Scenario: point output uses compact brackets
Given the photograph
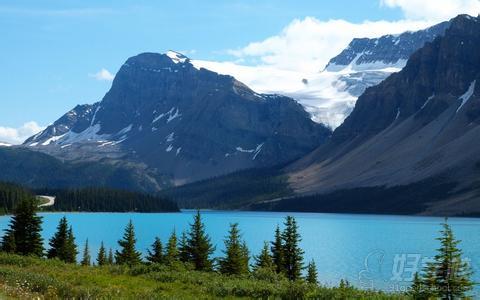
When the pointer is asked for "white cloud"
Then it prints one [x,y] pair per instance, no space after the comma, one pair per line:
[307,45]
[103,75]
[20,134]
[436,10]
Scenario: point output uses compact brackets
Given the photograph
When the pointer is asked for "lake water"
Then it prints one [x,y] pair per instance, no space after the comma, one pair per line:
[375,251]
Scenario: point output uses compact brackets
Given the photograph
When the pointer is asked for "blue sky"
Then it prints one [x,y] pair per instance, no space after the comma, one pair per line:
[50,50]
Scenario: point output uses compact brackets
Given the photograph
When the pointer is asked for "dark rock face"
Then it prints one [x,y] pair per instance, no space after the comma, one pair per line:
[386,50]
[420,123]
[184,123]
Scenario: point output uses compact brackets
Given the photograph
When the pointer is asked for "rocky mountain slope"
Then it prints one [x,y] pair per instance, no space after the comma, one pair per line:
[420,125]
[182,123]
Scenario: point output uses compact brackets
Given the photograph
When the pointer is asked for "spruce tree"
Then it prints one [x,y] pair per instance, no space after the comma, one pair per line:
[428,280]
[293,254]
[448,276]
[417,290]
[199,245]
[59,241]
[278,252]
[86,259]
[183,251]
[24,230]
[110,258]
[312,275]
[70,248]
[263,260]
[236,257]
[155,256]
[172,253]
[102,256]
[128,255]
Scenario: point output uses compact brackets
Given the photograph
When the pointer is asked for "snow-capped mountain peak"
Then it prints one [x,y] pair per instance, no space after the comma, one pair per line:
[388,51]
[177,57]
[182,122]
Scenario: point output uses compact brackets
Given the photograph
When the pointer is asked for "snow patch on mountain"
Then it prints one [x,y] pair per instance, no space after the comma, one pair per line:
[176,57]
[468,94]
[90,134]
[369,66]
[255,151]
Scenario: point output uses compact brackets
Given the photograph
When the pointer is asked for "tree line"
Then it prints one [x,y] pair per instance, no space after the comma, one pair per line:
[233,191]
[447,277]
[10,195]
[107,200]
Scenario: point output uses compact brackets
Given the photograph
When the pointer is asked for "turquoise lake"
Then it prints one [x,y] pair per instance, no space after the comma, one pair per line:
[375,251]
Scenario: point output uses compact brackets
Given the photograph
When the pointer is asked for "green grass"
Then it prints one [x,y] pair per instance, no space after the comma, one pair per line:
[28,277]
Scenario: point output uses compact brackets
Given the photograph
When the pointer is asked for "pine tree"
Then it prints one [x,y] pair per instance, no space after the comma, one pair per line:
[236,257]
[428,281]
[110,258]
[448,276]
[70,248]
[172,253]
[62,244]
[277,251]
[102,256]
[312,275]
[128,255]
[199,246]
[183,251]
[86,260]
[156,255]
[293,254]
[264,260]
[417,290]
[58,241]
[24,230]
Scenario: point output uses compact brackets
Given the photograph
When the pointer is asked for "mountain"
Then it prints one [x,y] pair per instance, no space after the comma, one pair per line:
[330,94]
[416,132]
[182,123]
[3,144]
[389,51]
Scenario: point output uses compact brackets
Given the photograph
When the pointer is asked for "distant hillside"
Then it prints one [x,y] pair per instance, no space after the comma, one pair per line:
[234,191]
[38,170]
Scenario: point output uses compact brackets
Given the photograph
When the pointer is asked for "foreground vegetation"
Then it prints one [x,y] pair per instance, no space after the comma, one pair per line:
[185,268]
[27,277]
